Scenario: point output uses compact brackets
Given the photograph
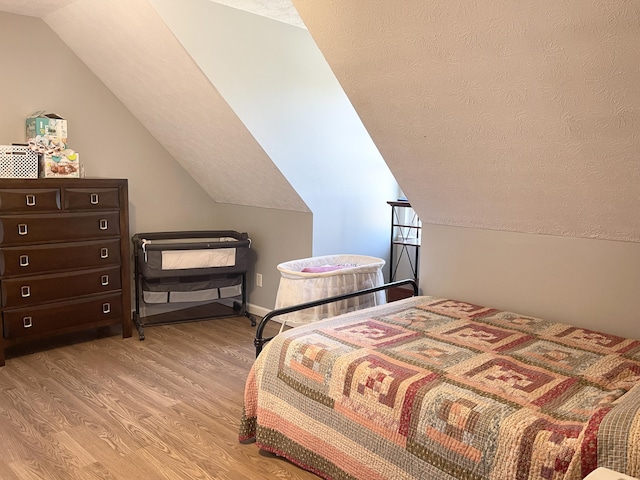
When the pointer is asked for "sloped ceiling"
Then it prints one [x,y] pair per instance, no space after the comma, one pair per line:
[510,116]
[520,116]
[34,8]
[281,10]
[128,46]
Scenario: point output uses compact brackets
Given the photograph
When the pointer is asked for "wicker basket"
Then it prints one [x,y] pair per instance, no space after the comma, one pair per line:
[17,161]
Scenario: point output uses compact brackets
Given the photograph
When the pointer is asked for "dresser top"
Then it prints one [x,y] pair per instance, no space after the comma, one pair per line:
[59,182]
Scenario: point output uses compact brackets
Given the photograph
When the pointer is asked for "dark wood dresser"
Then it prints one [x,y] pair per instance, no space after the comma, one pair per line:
[64,257]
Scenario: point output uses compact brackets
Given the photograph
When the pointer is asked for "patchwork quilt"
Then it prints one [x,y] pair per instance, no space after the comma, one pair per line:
[431,388]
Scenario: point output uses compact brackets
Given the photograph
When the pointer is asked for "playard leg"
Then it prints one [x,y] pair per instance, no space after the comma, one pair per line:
[139,326]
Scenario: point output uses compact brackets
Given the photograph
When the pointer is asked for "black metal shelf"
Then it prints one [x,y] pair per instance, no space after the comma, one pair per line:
[405,239]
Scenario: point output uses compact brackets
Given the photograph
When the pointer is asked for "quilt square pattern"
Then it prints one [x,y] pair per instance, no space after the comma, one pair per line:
[370,333]
[614,372]
[306,362]
[593,341]
[556,356]
[578,404]
[416,319]
[539,447]
[511,380]
[456,309]
[517,322]
[458,428]
[430,353]
[378,391]
[479,336]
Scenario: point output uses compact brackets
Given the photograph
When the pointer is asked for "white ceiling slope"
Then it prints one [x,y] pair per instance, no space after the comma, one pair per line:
[281,10]
[519,116]
[128,46]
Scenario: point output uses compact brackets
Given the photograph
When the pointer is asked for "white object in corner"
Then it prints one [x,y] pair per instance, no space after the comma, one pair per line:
[602,473]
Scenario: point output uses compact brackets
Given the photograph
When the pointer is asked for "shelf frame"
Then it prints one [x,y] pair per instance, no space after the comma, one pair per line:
[407,237]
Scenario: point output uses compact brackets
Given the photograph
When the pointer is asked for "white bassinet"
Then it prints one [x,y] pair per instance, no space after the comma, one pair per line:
[314,278]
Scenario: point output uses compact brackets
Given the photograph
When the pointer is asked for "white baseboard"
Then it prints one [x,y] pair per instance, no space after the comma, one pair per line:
[258,310]
[261,312]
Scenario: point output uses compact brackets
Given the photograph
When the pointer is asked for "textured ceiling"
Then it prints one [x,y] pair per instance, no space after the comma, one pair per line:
[520,116]
[162,86]
[32,8]
[281,10]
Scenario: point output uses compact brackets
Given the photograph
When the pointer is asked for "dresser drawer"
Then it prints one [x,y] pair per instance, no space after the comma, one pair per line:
[20,292]
[91,198]
[57,227]
[32,260]
[62,317]
[29,200]
[64,257]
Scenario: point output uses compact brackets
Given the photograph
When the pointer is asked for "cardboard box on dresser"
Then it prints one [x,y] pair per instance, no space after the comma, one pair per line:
[47,134]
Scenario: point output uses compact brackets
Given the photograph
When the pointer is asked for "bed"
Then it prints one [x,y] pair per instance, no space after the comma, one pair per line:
[434,388]
[186,270]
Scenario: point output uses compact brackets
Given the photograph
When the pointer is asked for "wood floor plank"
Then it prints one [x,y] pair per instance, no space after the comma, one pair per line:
[176,466]
[95,471]
[103,407]
[6,473]
[81,455]
[34,470]
[46,450]
[15,444]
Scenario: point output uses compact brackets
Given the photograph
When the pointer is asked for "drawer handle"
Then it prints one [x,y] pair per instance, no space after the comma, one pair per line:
[104,280]
[27,322]
[106,307]
[104,253]
[94,199]
[24,260]
[25,291]
[104,224]
[22,229]
[31,200]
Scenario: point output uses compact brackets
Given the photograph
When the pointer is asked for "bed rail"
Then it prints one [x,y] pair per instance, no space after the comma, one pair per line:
[259,341]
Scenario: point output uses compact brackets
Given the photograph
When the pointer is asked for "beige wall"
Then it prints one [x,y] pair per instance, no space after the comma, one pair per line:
[584,282]
[46,75]
[276,236]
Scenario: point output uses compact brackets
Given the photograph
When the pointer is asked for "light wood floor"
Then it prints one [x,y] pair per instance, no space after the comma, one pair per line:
[111,408]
